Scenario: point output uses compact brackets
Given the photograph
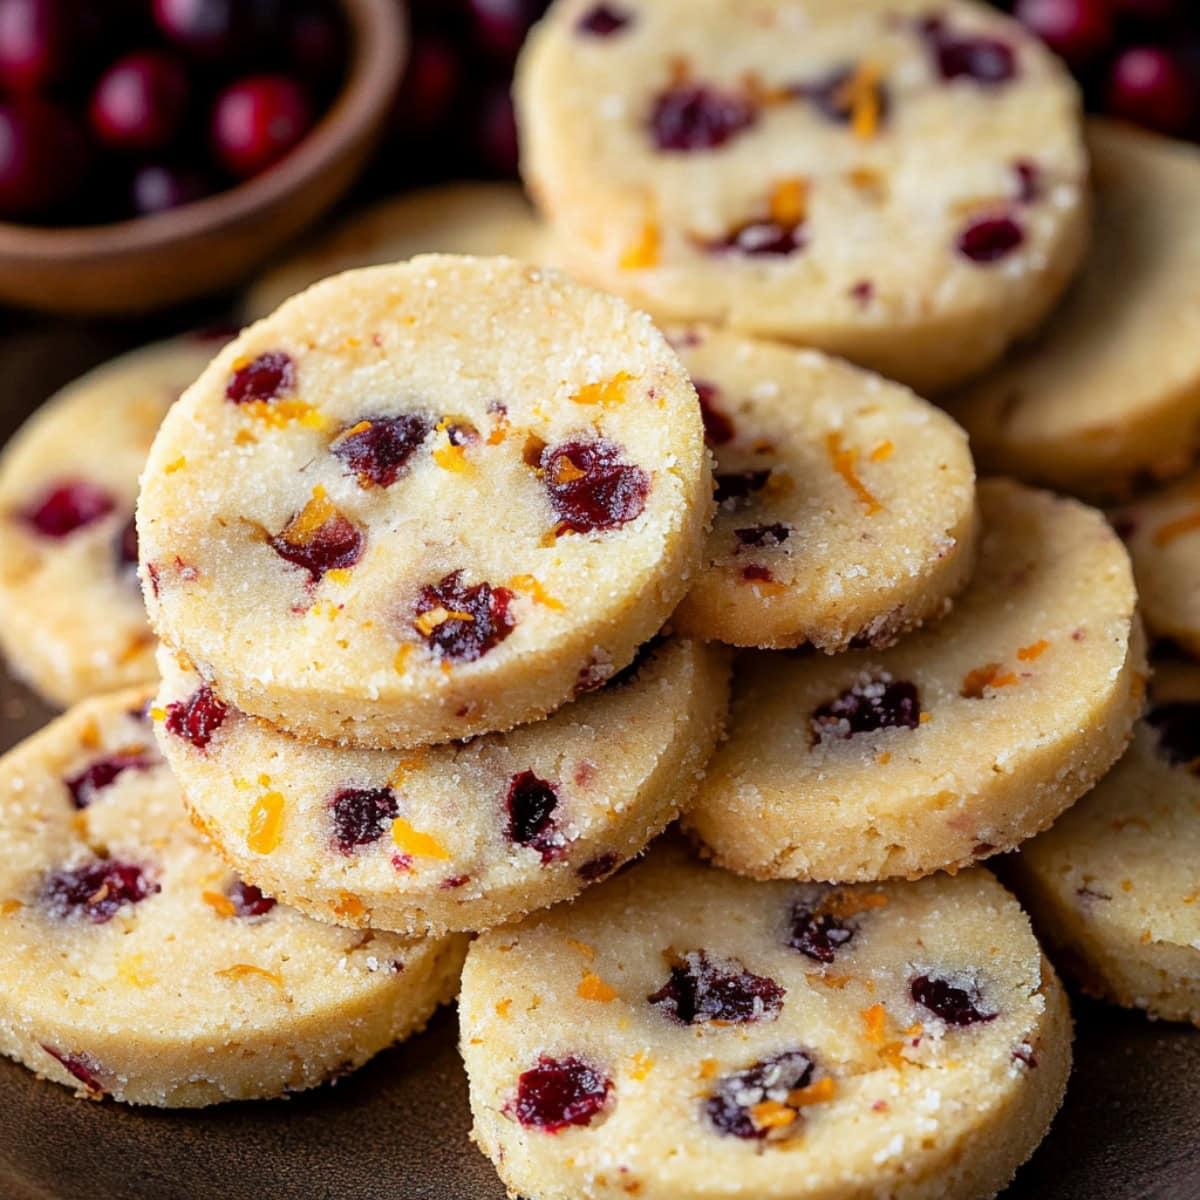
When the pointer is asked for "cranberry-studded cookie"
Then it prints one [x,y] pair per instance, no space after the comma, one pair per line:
[846,505]
[680,1033]
[426,501]
[461,836]
[72,621]
[1110,391]
[960,741]
[897,181]
[1162,531]
[1115,885]
[457,218]
[134,964]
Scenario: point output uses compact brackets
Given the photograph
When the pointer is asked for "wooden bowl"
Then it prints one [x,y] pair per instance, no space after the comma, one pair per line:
[132,266]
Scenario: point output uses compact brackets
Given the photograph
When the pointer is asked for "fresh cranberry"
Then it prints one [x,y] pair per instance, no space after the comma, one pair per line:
[597,868]
[986,60]
[315,42]
[954,1004]
[68,506]
[761,535]
[377,449]
[139,102]
[360,816]
[500,26]
[530,804]
[248,901]
[267,377]
[740,485]
[989,239]
[1178,728]
[93,779]
[818,935]
[689,116]
[43,157]
[159,188]
[127,547]
[496,130]
[206,28]
[97,889]
[591,487]
[257,121]
[1149,85]
[33,36]
[701,989]
[559,1092]
[718,428]
[336,544]
[197,718]
[730,1107]
[483,624]
[431,83]
[1076,29]
[603,20]
[872,703]
[80,1066]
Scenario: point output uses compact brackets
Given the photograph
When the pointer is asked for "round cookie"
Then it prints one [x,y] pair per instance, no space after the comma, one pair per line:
[68,482]
[681,1033]
[425,501]
[133,964]
[1109,392]
[1162,531]
[958,743]
[846,504]
[462,836]
[896,182]
[1114,885]
[457,218]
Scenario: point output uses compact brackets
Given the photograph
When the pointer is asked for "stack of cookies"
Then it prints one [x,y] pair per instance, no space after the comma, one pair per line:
[448,560]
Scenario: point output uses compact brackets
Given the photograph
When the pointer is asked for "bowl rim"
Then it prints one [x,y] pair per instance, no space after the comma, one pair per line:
[379,39]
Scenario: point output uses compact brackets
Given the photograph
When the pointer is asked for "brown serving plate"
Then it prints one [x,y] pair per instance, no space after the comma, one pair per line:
[397,1130]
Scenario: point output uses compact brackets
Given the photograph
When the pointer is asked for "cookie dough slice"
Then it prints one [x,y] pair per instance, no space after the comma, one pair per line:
[134,964]
[72,621]
[458,218]
[960,741]
[1110,391]
[425,501]
[897,182]
[1114,886]
[461,836]
[846,504]
[680,1034]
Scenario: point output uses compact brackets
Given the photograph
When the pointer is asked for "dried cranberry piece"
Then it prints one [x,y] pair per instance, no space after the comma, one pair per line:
[739,485]
[197,718]
[762,237]
[703,989]
[757,573]
[870,704]
[718,428]
[591,487]
[377,449]
[955,1004]
[248,901]
[602,20]
[267,377]
[730,1107]
[762,535]
[68,506]
[96,890]
[81,1066]
[93,779]
[690,116]
[833,95]
[987,61]
[559,1092]
[127,547]
[646,652]
[1029,181]
[597,868]
[1178,727]
[989,239]
[530,804]
[818,935]
[334,545]
[360,816]
[482,621]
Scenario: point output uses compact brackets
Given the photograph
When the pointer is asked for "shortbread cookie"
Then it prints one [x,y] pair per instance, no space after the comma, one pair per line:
[1115,885]
[457,218]
[461,836]
[72,621]
[846,505]
[133,964]
[680,1034]
[961,741]
[1110,391]
[1162,531]
[425,501]
[899,182]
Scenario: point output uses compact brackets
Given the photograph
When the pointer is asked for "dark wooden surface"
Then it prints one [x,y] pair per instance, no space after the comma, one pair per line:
[397,1130]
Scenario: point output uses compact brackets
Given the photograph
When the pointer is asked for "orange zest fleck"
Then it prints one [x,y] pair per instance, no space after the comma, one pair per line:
[822,1090]
[646,251]
[413,761]
[338,575]
[532,585]
[709,1067]
[348,905]
[303,527]
[158,714]
[503,1007]
[249,971]
[451,458]
[89,735]
[413,841]
[844,464]
[882,452]
[177,465]
[565,471]
[8,907]
[849,902]
[399,663]
[789,202]
[609,393]
[588,952]
[1035,651]
[353,431]
[592,987]
[1166,534]
[278,414]
[266,823]
[884,758]
[875,1020]
[892,1054]
[770,1114]
[427,622]
[861,95]
[244,437]
[990,675]
[219,903]
[642,1065]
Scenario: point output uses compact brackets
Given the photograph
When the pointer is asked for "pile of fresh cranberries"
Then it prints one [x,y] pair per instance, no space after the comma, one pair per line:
[119,108]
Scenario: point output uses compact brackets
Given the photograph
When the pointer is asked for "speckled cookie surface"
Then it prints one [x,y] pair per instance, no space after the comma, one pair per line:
[959,742]
[1162,531]
[459,218]
[846,504]
[134,964]
[72,621]
[1115,884]
[897,182]
[681,1033]
[461,836]
[1110,390]
[425,501]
